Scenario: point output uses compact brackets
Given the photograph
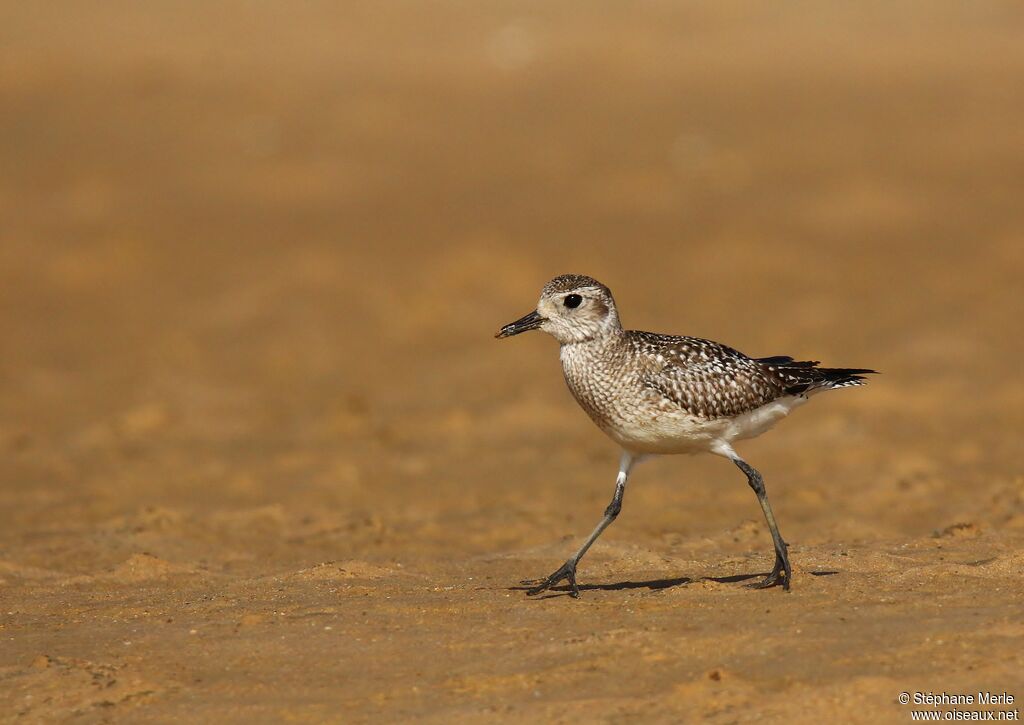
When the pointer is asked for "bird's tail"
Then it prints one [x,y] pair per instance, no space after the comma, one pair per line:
[802,377]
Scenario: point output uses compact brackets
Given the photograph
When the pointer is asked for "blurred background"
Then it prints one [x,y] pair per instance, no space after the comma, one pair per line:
[252,256]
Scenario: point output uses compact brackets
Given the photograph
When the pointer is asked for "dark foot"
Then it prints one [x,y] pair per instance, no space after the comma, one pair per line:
[566,571]
[782,574]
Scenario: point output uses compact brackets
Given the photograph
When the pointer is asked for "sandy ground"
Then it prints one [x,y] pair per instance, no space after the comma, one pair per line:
[263,461]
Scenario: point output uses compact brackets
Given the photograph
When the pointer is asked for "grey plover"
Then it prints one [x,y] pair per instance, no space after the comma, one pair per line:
[659,394]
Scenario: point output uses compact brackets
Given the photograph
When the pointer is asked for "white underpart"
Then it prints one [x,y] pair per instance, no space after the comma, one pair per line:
[680,432]
[755,422]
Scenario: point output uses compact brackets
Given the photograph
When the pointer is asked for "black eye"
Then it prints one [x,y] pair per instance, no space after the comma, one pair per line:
[573,301]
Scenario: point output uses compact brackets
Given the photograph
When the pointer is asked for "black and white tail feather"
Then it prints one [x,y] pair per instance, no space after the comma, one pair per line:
[805,377]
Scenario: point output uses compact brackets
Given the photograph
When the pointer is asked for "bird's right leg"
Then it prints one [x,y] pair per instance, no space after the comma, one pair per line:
[568,570]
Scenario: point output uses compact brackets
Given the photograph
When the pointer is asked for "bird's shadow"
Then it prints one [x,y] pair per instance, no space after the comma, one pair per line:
[563,590]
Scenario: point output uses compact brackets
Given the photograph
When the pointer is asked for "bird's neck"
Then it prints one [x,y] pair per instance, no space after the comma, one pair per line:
[608,337]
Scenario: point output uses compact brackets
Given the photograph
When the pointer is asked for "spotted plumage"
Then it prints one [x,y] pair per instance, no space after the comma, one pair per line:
[711,380]
[656,394]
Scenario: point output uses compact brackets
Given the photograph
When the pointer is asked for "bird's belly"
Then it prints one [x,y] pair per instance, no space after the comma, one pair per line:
[672,433]
[755,422]
[680,432]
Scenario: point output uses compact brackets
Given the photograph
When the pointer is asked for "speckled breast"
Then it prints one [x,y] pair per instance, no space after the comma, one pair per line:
[606,386]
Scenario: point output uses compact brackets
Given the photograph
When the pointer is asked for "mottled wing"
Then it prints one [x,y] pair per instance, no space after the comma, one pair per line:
[705,378]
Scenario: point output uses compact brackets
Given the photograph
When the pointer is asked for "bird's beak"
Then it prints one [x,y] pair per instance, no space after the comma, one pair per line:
[524,324]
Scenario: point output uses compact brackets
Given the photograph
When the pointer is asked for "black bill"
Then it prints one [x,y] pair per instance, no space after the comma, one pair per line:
[524,324]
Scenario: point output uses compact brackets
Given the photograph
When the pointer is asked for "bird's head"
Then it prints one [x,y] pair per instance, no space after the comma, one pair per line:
[572,308]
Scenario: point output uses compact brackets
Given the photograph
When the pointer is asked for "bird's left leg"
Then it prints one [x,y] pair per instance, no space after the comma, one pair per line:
[781,572]
[568,570]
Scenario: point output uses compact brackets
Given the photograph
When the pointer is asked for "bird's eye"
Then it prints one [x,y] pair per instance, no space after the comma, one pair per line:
[573,301]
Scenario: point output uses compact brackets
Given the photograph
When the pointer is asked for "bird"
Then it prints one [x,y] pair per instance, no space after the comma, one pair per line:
[656,394]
